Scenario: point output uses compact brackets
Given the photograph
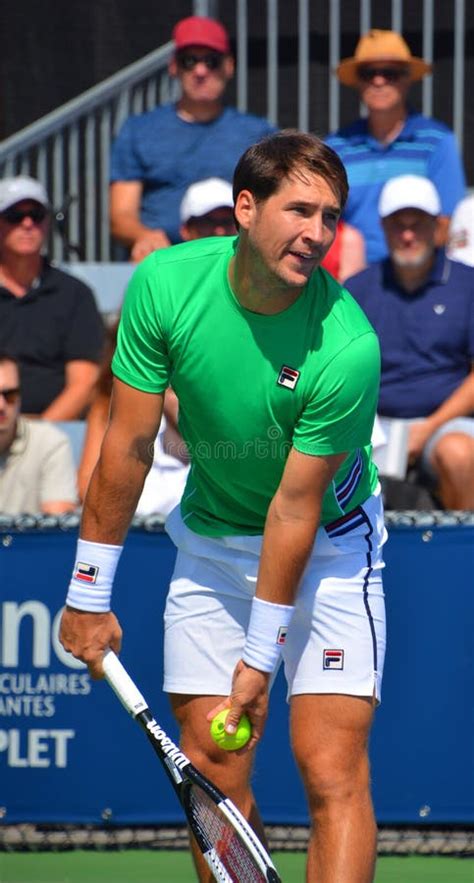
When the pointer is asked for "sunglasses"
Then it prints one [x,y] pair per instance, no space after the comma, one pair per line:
[16,215]
[10,395]
[390,74]
[212,60]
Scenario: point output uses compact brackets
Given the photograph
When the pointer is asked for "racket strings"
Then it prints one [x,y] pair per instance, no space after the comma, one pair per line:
[212,828]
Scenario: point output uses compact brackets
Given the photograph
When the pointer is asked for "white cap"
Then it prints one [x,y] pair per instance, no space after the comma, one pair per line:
[409,191]
[204,197]
[13,190]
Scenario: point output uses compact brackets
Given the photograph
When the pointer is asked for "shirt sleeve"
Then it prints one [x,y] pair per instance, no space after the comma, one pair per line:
[340,414]
[58,474]
[447,173]
[141,356]
[125,164]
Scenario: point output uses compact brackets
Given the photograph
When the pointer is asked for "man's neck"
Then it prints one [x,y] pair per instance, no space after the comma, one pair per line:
[7,438]
[17,272]
[254,290]
[413,278]
[386,125]
[198,111]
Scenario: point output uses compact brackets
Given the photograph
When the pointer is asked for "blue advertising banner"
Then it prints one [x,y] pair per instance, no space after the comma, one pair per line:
[70,754]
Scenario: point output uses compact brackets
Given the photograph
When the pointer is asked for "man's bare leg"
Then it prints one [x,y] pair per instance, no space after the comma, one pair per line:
[453,461]
[229,771]
[329,736]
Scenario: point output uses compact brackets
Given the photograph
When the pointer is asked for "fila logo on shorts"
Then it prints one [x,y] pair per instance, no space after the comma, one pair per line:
[333,659]
[288,377]
[86,572]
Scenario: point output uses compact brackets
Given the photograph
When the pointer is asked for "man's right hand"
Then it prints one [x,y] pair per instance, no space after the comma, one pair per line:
[147,243]
[88,635]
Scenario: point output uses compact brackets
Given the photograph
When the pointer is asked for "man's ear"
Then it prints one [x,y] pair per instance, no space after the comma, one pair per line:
[245,208]
[173,67]
[228,67]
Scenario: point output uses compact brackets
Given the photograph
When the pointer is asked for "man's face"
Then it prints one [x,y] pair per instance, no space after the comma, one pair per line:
[219,222]
[410,235]
[23,227]
[383,85]
[290,232]
[9,398]
[203,73]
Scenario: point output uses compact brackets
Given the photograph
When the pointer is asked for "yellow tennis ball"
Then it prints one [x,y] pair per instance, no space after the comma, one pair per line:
[226,741]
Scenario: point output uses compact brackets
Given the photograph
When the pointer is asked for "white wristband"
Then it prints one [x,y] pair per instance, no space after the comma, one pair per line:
[93,575]
[266,634]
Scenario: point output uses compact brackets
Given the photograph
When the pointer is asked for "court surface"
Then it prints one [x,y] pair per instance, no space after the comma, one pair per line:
[146,866]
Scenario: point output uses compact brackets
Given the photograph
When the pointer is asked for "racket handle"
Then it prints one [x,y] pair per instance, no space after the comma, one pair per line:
[122,684]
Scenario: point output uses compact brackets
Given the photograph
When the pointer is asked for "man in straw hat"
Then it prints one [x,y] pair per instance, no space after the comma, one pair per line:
[392,139]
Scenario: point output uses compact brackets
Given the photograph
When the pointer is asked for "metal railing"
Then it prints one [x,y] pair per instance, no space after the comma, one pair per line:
[68,150]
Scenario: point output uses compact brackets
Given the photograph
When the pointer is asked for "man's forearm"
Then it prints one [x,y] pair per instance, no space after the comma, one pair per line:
[70,404]
[287,543]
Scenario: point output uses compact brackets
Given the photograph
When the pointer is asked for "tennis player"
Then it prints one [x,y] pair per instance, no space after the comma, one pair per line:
[280,528]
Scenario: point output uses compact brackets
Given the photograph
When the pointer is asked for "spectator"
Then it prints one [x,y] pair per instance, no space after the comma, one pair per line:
[347,253]
[166,479]
[207,209]
[422,306]
[392,139]
[36,465]
[461,232]
[157,155]
[48,319]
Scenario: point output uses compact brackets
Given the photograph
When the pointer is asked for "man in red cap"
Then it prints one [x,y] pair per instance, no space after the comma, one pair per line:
[157,155]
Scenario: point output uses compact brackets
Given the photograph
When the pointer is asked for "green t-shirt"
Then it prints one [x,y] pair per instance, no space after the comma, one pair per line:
[251,386]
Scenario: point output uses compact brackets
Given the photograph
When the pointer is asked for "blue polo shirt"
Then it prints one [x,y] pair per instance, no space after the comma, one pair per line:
[423,147]
[426,336]
[168,154]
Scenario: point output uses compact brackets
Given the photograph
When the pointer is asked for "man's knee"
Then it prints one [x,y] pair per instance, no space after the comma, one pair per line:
[454,453]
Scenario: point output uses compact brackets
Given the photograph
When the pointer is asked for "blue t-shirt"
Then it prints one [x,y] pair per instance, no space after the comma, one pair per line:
[423,147]
[168,154]
[426,337]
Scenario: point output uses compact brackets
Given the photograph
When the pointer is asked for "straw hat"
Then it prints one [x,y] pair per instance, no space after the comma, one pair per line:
[377,46]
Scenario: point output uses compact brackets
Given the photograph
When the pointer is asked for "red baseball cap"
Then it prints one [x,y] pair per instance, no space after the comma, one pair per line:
[199,31]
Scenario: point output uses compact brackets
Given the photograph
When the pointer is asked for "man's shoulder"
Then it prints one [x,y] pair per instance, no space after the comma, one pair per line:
[150,119]
[354,132]
[40,437]
[251,122]
[345,309]
[61,281]
[184,256]
[366,279]
[417,123]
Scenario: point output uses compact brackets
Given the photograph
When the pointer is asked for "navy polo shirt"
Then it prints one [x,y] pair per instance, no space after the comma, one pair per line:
[55,322]
[426,336]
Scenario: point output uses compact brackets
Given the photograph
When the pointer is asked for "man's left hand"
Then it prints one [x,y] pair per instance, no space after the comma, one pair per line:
[250,695]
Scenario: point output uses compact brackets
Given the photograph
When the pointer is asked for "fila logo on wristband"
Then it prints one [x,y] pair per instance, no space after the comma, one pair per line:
[333,659]
[281,636]
[86,572]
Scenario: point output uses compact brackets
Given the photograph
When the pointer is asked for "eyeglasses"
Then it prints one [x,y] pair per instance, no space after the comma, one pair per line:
[10,395]
[390,74]
[16,215]
[188,61]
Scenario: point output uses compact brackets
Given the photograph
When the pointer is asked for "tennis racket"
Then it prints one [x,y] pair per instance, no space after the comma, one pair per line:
[230,847]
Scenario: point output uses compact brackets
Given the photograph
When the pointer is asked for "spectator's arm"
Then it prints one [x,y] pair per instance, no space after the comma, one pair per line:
[125,224]
[459,404]
[71,402]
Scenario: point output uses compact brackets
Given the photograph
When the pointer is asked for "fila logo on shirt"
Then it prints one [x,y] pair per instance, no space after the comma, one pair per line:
[288,377]
[333,659]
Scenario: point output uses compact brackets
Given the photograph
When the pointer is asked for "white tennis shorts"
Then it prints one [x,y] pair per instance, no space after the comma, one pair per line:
[336,639]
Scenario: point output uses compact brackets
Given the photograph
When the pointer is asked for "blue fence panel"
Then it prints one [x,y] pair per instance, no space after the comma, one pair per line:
[70,754]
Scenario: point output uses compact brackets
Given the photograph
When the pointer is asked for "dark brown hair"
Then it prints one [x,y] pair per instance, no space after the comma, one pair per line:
[265,164]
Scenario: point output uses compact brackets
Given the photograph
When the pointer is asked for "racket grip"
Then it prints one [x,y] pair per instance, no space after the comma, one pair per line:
[122,684]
